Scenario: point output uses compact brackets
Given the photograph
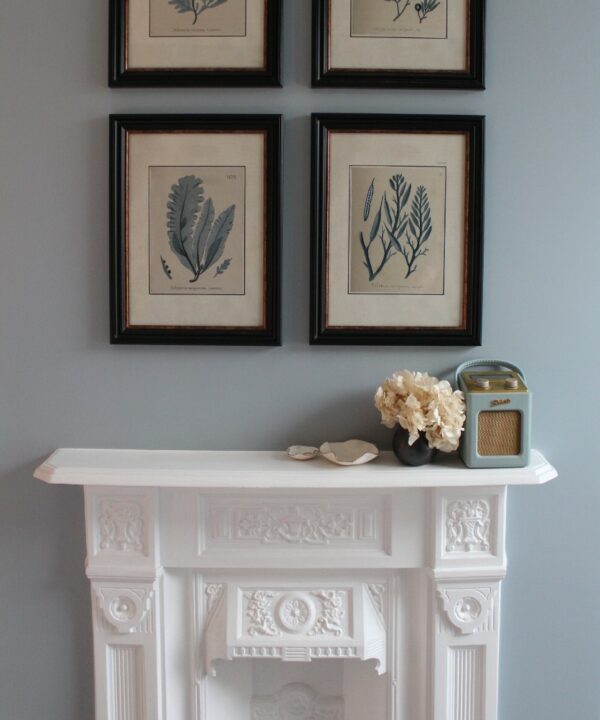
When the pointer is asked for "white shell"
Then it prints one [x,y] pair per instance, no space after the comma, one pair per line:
[351,452]
[303,452]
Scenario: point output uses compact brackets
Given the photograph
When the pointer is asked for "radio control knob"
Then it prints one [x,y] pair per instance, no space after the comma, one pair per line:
[511,383]
[482,383]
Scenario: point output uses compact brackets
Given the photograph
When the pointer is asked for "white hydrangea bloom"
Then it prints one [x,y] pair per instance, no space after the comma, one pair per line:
[420,403]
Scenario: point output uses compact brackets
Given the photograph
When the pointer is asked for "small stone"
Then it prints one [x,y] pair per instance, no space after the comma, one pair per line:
[303,452]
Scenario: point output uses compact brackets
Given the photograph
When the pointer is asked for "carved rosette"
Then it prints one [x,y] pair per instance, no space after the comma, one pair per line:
[121,526]
[271,613]
[468,609]
[296,612]
[124,608]
[468,526]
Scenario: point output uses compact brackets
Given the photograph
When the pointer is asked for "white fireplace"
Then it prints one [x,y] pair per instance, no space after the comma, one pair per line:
[247,586]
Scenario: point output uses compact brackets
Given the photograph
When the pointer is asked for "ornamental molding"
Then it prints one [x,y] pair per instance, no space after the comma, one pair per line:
[294,624]
[213,593]
[271,613]
[121,526]
[298,654]
[297,701]
[125,609]
[468,526]
[469,610]
[377,592]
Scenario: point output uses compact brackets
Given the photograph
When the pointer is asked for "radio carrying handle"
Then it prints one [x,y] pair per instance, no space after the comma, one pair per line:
[487,363]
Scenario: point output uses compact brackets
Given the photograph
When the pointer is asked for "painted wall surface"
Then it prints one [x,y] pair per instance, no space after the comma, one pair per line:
[62,384]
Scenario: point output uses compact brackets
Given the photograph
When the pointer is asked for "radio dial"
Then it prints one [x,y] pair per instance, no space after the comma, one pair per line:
[511,383]
[482,383]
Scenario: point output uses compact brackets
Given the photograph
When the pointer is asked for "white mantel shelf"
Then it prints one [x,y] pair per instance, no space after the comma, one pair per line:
[270,470]
[246,585]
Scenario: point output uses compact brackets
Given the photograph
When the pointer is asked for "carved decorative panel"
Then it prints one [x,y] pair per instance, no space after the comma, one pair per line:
[468,526]
[273,523]
[120,523]
[469,609]
[297,701]
[292,622]
[296,524]
[125,609]
[272,613]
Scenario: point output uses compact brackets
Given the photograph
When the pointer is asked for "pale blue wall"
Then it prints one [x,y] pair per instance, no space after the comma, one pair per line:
[61,383]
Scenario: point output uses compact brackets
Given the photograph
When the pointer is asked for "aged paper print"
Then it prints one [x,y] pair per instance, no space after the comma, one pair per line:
[203,18]
[397,230]
[197,230]
[424,19]
[427,19]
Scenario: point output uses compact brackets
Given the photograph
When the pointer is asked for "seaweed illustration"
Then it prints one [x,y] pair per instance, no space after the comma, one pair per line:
[195,6]
[195,237]
[223,266]
[395,230]
[420,227]
[166,268]
[425,7]
[401,6]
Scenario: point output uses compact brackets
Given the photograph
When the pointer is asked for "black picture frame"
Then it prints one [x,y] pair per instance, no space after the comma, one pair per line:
[472,79]
[120,331]
[120,76]
[468,335]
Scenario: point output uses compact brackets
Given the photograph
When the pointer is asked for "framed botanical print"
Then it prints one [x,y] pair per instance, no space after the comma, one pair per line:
[397,230]
[178,43]
[195,229]
[399,43]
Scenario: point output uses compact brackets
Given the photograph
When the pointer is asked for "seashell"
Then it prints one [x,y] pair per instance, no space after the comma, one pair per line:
[351,452]
[303,452]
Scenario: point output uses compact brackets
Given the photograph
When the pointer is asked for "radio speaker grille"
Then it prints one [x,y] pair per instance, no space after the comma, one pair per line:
[499,433]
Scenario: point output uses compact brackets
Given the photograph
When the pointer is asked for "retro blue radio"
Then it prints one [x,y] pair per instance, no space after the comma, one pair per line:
[498,425]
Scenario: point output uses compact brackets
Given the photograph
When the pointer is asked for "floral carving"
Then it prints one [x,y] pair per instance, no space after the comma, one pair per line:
[121,526]
[260,614]
[297,701]
[468,526]
[332,613]
[296,524]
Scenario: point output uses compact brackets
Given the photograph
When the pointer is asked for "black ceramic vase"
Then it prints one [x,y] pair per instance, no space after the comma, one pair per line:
[419,453]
